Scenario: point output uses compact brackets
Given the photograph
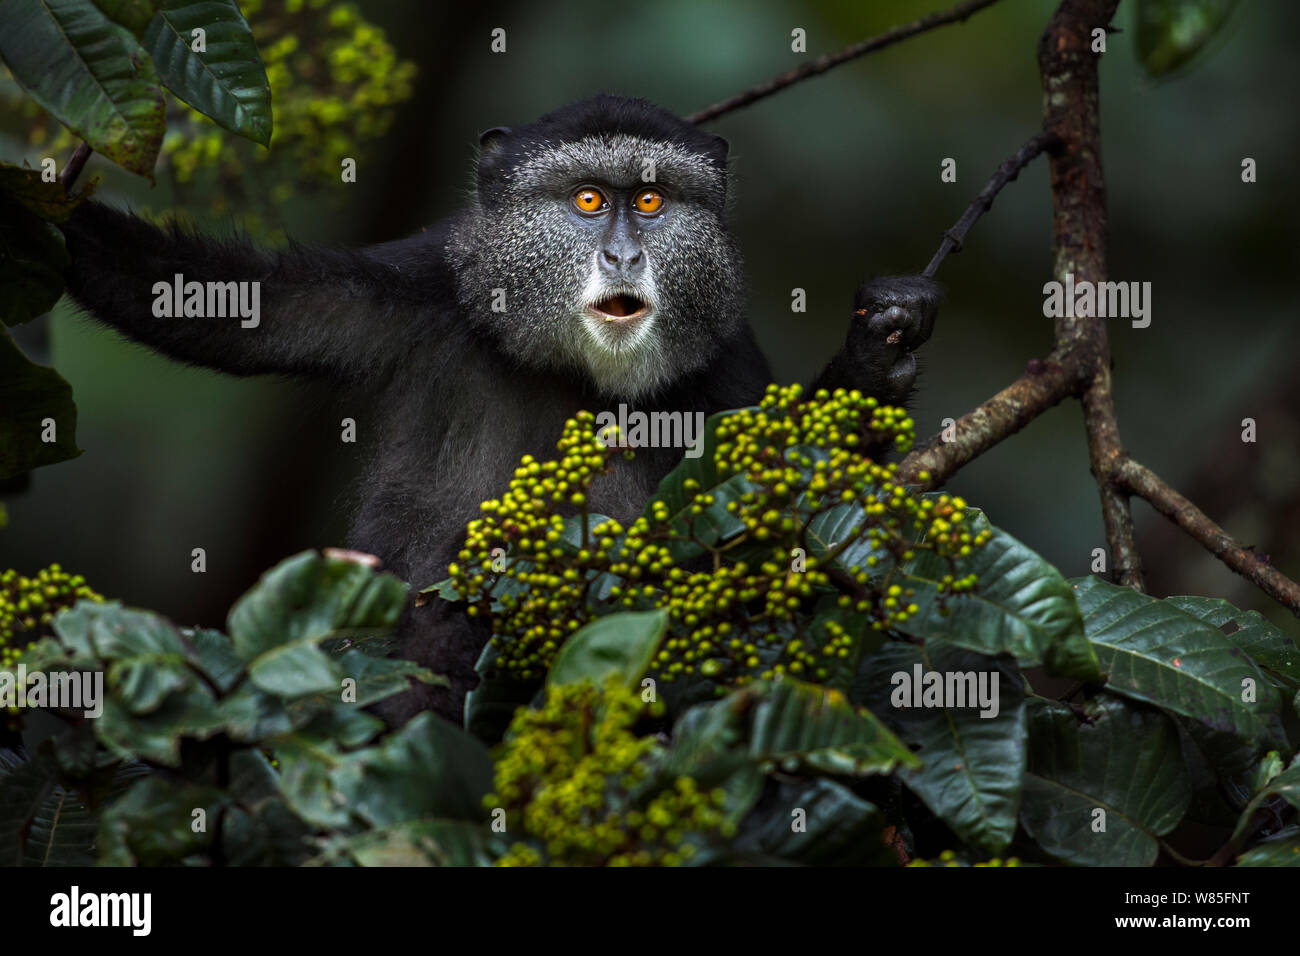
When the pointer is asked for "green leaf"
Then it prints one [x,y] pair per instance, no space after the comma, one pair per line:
[251,715]
[973,765]
[797,724]
[152,824]
[833,527]
[1125,762]
[306,780]
[1286,784]
[302,601]
[1154,652]
[41,822]
[1281,850]
[156,736]
[429,768]
[1021,606]
[135,15]
[836,827]
[143,653]
[1170,33]
[715,525]
[215,656]
[620,644]
[48,200]
[30,394]
[491,705]
[89,73]
[227,81]
[33,259]
[1269,646]
[424,843]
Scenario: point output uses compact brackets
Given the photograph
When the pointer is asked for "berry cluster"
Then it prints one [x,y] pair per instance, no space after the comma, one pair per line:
[949,858]
[753,585]
[586,789]
[28,606]
[27,609]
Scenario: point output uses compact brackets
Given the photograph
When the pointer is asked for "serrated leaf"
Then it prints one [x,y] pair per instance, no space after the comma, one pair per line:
[143,653]
[302,601]
[89,73]
[156,736]
[1125,763]
[1154,652]
[225,82]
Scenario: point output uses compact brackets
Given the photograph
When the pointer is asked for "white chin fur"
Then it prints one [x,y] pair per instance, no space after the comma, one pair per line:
[622,361]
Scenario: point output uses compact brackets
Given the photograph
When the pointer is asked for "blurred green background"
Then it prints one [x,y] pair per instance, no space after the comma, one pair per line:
[833,180]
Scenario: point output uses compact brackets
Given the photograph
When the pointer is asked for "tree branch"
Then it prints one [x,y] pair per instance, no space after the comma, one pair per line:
[1008,171]
[1043,385]
[70,172]
[824,63]
[1079,364]
[1136,479]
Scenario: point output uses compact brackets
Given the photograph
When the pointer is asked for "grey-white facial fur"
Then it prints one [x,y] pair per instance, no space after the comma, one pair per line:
[522,235]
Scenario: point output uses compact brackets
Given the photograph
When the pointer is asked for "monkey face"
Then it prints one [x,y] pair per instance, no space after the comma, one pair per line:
[607,256]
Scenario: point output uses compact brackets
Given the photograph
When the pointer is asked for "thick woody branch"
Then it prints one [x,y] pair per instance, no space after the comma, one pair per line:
[1044,384]
[1079,364]
[824,63]
[1136,479]
[1068,67]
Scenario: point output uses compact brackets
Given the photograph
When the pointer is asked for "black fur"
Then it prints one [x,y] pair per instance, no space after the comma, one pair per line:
[454,407]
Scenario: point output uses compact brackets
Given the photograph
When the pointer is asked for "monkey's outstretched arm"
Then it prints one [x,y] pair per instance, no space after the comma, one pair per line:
[325,313]
[892,316]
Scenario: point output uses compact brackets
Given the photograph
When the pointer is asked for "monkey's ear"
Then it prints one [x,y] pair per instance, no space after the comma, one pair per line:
[491,142]
[719,149]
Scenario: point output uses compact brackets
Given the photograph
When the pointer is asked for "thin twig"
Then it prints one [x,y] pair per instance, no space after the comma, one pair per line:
[70,172]
[1141,481]
[824,63]
[1009,170]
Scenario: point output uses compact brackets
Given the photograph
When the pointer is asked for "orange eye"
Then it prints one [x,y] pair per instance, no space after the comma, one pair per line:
[589,200]
[648,201]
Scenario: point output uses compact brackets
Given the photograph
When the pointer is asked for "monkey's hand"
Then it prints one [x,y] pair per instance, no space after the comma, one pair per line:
[892,317]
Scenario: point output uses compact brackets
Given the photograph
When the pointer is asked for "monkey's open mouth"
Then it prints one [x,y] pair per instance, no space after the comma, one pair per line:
[620,307]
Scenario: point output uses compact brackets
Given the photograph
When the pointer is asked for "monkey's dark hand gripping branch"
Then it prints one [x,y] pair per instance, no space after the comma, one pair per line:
[892,317]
